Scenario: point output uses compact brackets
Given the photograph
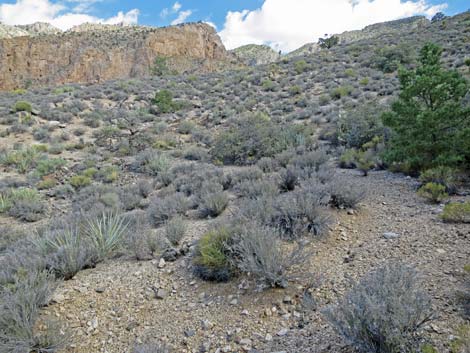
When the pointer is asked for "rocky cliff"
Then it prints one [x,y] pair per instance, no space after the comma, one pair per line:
[114,52]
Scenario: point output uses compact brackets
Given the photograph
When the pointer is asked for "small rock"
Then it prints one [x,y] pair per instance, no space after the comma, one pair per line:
[268,337]
[100,290]
[287,300]
[234,301]
[161,263]
[245,312]
[161,294]
[58,298]
[390,235]
[283,332]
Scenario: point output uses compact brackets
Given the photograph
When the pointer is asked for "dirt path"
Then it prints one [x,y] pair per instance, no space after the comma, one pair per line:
[109,308]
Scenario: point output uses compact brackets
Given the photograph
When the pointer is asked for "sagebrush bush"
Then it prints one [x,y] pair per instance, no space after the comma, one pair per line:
[175,230]
[164,209]
[294,214]
[212,204]
[384,312]
[258,251]
[456,212]
[254,189]
[344,194]
[151,162]
[20,305]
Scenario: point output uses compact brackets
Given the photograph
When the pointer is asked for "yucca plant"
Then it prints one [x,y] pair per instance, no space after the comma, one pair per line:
[106,233]
[67,252]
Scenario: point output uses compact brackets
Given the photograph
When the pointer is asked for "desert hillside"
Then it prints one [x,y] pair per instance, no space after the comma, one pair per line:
[154,198]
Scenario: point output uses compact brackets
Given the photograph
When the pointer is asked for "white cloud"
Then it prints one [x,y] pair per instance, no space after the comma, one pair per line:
[182,16]
[59,15]
[176,7]
[83,5]
[287,25]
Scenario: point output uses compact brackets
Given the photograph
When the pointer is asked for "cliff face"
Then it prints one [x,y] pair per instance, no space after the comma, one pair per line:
[98,55]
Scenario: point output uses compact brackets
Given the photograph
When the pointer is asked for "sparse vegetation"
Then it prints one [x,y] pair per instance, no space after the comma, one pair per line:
[372,316]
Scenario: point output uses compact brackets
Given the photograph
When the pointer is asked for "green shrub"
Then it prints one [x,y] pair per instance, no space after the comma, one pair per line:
[433,192]
[46,183]
[348,159]
[23,106]
[388,59]
[457,212]
[340,92]
[80,181]
[23,203]
[108,174]
[300,66]
[295,90]
[212,255]
[442,175]
[49,166]
[328,42]
[384,312]
[364,81]
[268,85]
[255,137]
[165,103]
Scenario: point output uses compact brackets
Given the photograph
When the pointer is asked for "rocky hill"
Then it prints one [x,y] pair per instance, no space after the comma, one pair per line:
[106,52]
[253,54]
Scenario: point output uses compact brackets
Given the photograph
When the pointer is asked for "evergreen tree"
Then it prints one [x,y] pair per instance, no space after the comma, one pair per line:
[430,121]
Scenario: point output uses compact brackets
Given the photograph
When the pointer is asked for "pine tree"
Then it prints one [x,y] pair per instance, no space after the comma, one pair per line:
[430,121]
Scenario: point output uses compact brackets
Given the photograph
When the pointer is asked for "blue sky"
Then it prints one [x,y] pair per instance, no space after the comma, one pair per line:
[283,24]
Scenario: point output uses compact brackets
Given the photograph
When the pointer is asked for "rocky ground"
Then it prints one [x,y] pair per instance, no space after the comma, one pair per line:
[120,303]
